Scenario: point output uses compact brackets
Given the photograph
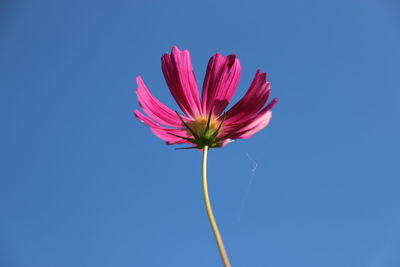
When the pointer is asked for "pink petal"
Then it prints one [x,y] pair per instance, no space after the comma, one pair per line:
[220,82]
[255,124]
[154,108]
[163,132]
[254,99]
[178,73]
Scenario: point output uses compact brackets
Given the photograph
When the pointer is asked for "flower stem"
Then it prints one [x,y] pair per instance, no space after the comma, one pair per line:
[210,214]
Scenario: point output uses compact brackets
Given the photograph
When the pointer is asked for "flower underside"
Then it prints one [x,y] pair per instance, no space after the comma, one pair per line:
[204,131]
[203,121]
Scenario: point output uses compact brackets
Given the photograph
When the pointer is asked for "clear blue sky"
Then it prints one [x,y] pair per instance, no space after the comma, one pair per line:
[83,183]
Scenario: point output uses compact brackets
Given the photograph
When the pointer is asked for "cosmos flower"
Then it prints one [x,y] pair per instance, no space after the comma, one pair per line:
[204,122]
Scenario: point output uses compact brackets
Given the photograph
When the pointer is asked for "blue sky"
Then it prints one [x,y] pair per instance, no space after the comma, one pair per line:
[85,184]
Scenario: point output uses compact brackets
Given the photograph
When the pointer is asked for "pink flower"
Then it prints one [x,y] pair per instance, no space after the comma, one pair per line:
[205,123]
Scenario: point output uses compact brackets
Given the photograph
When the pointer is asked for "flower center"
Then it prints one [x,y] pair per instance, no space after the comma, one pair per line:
[204,131]
[199,127]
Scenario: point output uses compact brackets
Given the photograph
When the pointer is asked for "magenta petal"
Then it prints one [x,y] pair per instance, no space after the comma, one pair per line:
[162,132]
[154,108]
[251,103]
[220,83]
[200,127]
[256,123]
[178,73]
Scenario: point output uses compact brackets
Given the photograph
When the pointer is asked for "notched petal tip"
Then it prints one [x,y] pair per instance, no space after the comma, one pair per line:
[175,49]
[139,79]
[139,82]
[271,104]
[232,59]
[137,114]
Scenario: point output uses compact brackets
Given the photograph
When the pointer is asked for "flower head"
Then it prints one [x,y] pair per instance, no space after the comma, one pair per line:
[204,122]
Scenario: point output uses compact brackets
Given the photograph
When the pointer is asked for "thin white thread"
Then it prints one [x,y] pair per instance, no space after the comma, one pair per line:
[247,191]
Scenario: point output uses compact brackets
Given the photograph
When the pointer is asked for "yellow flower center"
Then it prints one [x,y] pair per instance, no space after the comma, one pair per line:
[199,126]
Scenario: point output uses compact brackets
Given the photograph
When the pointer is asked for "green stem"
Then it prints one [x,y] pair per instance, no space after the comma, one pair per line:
[210,214]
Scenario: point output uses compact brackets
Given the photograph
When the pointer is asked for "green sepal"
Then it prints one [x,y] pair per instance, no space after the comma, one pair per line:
[190,147]
[215,134]
[208,121]
[229,134]
[185,138]
[187,126]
